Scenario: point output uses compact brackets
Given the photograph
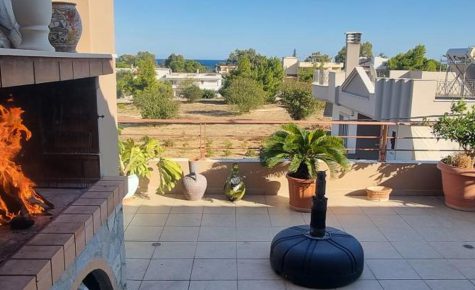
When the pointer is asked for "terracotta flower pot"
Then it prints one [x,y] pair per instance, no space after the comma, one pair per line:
[459,187]
[378,193]
[301,192]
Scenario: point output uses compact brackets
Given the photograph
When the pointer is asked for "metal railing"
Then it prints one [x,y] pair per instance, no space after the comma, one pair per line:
[456,89]
[206,132]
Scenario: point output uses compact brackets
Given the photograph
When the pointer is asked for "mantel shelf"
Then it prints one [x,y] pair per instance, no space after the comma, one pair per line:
[29,67]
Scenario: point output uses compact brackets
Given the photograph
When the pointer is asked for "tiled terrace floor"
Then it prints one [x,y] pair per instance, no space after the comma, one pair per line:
[409,242]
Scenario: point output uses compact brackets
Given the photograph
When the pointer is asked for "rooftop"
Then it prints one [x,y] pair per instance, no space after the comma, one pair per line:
[410,242]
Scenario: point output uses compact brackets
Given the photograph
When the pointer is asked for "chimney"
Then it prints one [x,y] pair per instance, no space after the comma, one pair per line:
[353,45]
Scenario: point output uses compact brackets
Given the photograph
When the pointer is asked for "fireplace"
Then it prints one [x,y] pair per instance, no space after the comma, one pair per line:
[69,158]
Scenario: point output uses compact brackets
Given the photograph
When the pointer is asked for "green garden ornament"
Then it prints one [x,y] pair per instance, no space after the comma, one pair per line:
[234,188]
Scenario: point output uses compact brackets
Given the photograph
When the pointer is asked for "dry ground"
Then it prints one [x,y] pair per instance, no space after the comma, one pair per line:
[182,140]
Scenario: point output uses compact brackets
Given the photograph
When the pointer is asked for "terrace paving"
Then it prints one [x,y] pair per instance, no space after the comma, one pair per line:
[409,242]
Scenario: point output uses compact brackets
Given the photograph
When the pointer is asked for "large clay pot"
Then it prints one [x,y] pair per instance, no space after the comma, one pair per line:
[132,185]
[195,184]
[65,27]
[33,16]
[459,187]
[301,192]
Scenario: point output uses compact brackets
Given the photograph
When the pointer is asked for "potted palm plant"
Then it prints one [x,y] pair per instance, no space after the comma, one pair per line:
[458,172]
[134,163]
[305,149]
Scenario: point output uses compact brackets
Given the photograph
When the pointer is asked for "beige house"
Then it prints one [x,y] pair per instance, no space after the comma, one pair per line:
[356,94]
[292,65]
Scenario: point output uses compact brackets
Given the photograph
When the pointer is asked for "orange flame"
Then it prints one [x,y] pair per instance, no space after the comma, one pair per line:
[17,194]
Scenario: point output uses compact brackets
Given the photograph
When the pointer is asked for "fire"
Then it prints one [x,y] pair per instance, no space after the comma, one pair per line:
[17,194]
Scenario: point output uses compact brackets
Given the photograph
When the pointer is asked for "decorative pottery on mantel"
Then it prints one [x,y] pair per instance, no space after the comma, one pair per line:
[195,184]
[33,16]
[65,27]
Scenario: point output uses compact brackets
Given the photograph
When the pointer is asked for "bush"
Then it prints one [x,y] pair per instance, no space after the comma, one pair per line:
[192,93]
[245,94]
[209,94]
[298,100]
[156,102]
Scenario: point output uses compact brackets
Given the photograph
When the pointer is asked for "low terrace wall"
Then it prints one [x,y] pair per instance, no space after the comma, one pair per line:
[404,178]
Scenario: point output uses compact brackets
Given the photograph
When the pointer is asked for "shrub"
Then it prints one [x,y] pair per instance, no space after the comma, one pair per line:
[192,93]
[298,100]
[245,94]
[209,94]
[156,102]
[459,127]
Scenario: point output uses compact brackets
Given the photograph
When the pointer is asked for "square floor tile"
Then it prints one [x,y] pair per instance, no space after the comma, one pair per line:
[136,268]
[465,266]
[403,284]
[164,285]
[133,285]
[416,250]
[187,209]
[435,269]
[218,220]
[379,250]
[254,234]
[363,285]
[146,219]
[169,269]
[183,220]
[261,285]
[213,285]
[139,250]
[175,250]
[229,210]
[253,250]
[252,211]
[154,209]
[253,220]
[143,234]
[214,269]
[454,250]
[215,234]
[450,284]
[179,234]
[255,269]
[286,220]
[216,250]
[392,269]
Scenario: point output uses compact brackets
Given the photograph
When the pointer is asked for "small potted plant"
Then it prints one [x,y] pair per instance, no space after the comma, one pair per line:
[458,172]
[305,149]
[134,163]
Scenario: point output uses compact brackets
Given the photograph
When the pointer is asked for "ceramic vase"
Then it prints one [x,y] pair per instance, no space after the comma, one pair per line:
[33,16]
[195,184]
[65,27]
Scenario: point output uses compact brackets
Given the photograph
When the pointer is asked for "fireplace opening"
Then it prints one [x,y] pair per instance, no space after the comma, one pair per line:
[96,280]
[63,151]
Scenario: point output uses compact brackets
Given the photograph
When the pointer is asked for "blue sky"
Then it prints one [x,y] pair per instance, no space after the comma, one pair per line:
[210,29]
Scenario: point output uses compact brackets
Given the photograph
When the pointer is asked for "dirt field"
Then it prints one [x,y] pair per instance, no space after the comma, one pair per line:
[233,140]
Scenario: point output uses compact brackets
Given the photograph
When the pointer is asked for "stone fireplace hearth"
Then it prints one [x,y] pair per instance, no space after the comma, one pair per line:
[79,244]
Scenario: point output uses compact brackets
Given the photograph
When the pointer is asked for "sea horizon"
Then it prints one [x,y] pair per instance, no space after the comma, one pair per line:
[208,63]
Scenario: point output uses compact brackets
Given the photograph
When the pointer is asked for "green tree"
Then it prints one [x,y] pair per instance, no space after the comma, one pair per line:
[125,61]
[245,94]
[146,75]
[298,100]
[366,50]
[125,83]
[177,63]
[192,93]
[156,101]
[209,94]
[266,71]
[305,74]
[413,59]
[318,57]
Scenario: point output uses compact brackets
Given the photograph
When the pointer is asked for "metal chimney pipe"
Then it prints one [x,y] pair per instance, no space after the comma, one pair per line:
[353,46]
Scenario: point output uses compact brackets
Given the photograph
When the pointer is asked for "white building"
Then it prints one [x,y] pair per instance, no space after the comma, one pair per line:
[205,81]
[355,94]
[292,64]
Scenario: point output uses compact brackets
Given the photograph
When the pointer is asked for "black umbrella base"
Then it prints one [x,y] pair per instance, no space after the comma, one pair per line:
[335,260]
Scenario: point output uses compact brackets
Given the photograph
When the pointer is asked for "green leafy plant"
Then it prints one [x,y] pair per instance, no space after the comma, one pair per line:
[156,101]
[245,94]
[209,94]
[298,100]
[192,93]
[304,149]
[458,126]
[135,158]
